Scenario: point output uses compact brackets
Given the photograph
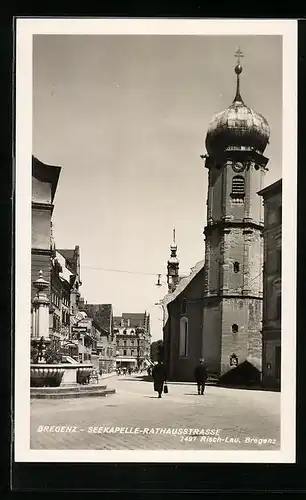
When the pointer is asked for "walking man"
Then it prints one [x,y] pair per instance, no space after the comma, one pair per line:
[200,374]
[159,377]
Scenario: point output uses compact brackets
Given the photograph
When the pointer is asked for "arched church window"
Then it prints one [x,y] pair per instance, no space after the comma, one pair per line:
[184,337]
[234,328]
[236,267]
[238,191]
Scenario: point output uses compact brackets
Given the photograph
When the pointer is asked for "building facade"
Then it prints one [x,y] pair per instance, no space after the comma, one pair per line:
[104,334]
[232,289]
[272,279]
[44,184]
[59,310]
[133,339]
[72,262]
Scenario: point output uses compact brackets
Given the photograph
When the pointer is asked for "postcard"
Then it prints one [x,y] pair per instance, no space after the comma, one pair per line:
[155,244]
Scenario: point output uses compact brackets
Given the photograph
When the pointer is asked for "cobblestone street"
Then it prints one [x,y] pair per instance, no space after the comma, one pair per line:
[134,418]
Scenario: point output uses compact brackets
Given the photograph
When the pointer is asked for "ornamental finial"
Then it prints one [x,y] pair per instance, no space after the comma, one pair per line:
[238,71]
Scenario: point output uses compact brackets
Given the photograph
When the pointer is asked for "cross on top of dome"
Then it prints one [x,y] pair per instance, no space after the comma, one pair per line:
[238,55]
[238,71]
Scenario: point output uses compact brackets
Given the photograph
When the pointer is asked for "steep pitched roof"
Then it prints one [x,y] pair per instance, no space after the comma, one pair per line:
[182,285]
[67,254]
[101,314]
[71,257]
[136,319]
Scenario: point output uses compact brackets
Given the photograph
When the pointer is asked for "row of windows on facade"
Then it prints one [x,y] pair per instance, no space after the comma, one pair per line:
[125,332]
[131,343]
[107,351]
[56,300]
[63,321]
[131,352]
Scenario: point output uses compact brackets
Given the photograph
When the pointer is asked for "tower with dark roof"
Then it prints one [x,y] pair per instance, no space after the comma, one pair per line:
[235,142]
[173,267]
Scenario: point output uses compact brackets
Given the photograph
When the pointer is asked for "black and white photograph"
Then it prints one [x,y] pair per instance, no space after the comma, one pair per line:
[155,240]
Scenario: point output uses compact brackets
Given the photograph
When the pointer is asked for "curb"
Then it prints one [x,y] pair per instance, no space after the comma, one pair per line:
[107,375]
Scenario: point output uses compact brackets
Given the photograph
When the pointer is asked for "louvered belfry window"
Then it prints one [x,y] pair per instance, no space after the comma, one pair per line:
[238,188]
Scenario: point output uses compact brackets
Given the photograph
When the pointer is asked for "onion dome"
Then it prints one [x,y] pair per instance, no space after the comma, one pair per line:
[238,127]
[173,258]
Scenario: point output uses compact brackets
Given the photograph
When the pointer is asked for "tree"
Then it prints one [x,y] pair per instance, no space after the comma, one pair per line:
[157,351]
[52,355]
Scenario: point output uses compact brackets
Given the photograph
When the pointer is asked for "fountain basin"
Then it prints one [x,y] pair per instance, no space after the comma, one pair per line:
[59,374]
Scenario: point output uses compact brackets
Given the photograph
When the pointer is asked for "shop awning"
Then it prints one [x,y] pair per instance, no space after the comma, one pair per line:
[130,360]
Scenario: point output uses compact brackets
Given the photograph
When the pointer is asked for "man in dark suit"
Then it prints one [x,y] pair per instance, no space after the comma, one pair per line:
[200,374]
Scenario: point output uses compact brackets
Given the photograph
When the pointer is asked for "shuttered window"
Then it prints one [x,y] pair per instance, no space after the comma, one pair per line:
[238,193]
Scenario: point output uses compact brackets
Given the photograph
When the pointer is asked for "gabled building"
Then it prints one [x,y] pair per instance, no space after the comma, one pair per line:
[105,337]
[183,312]
[133,339]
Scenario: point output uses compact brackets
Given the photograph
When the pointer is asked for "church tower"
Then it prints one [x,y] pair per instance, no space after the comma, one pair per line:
[173,267]
[235,143]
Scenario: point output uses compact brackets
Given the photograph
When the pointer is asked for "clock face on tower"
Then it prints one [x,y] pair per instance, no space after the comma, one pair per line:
[238,167]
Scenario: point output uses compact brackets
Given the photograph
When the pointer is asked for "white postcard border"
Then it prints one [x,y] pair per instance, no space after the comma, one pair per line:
[23,158]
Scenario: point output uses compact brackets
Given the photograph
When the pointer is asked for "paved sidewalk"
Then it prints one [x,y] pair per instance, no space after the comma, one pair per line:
[134,418]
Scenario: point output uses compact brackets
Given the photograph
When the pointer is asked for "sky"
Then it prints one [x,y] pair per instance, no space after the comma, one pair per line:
[126,118]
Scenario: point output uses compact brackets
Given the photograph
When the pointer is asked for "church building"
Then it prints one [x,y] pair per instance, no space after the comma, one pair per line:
[225,291]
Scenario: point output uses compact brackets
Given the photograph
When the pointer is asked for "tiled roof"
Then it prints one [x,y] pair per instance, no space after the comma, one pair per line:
[71,257]
[136,319]
[67,254]
[101,315]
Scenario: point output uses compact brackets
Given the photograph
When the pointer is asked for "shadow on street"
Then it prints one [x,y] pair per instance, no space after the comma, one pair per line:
[143,378]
